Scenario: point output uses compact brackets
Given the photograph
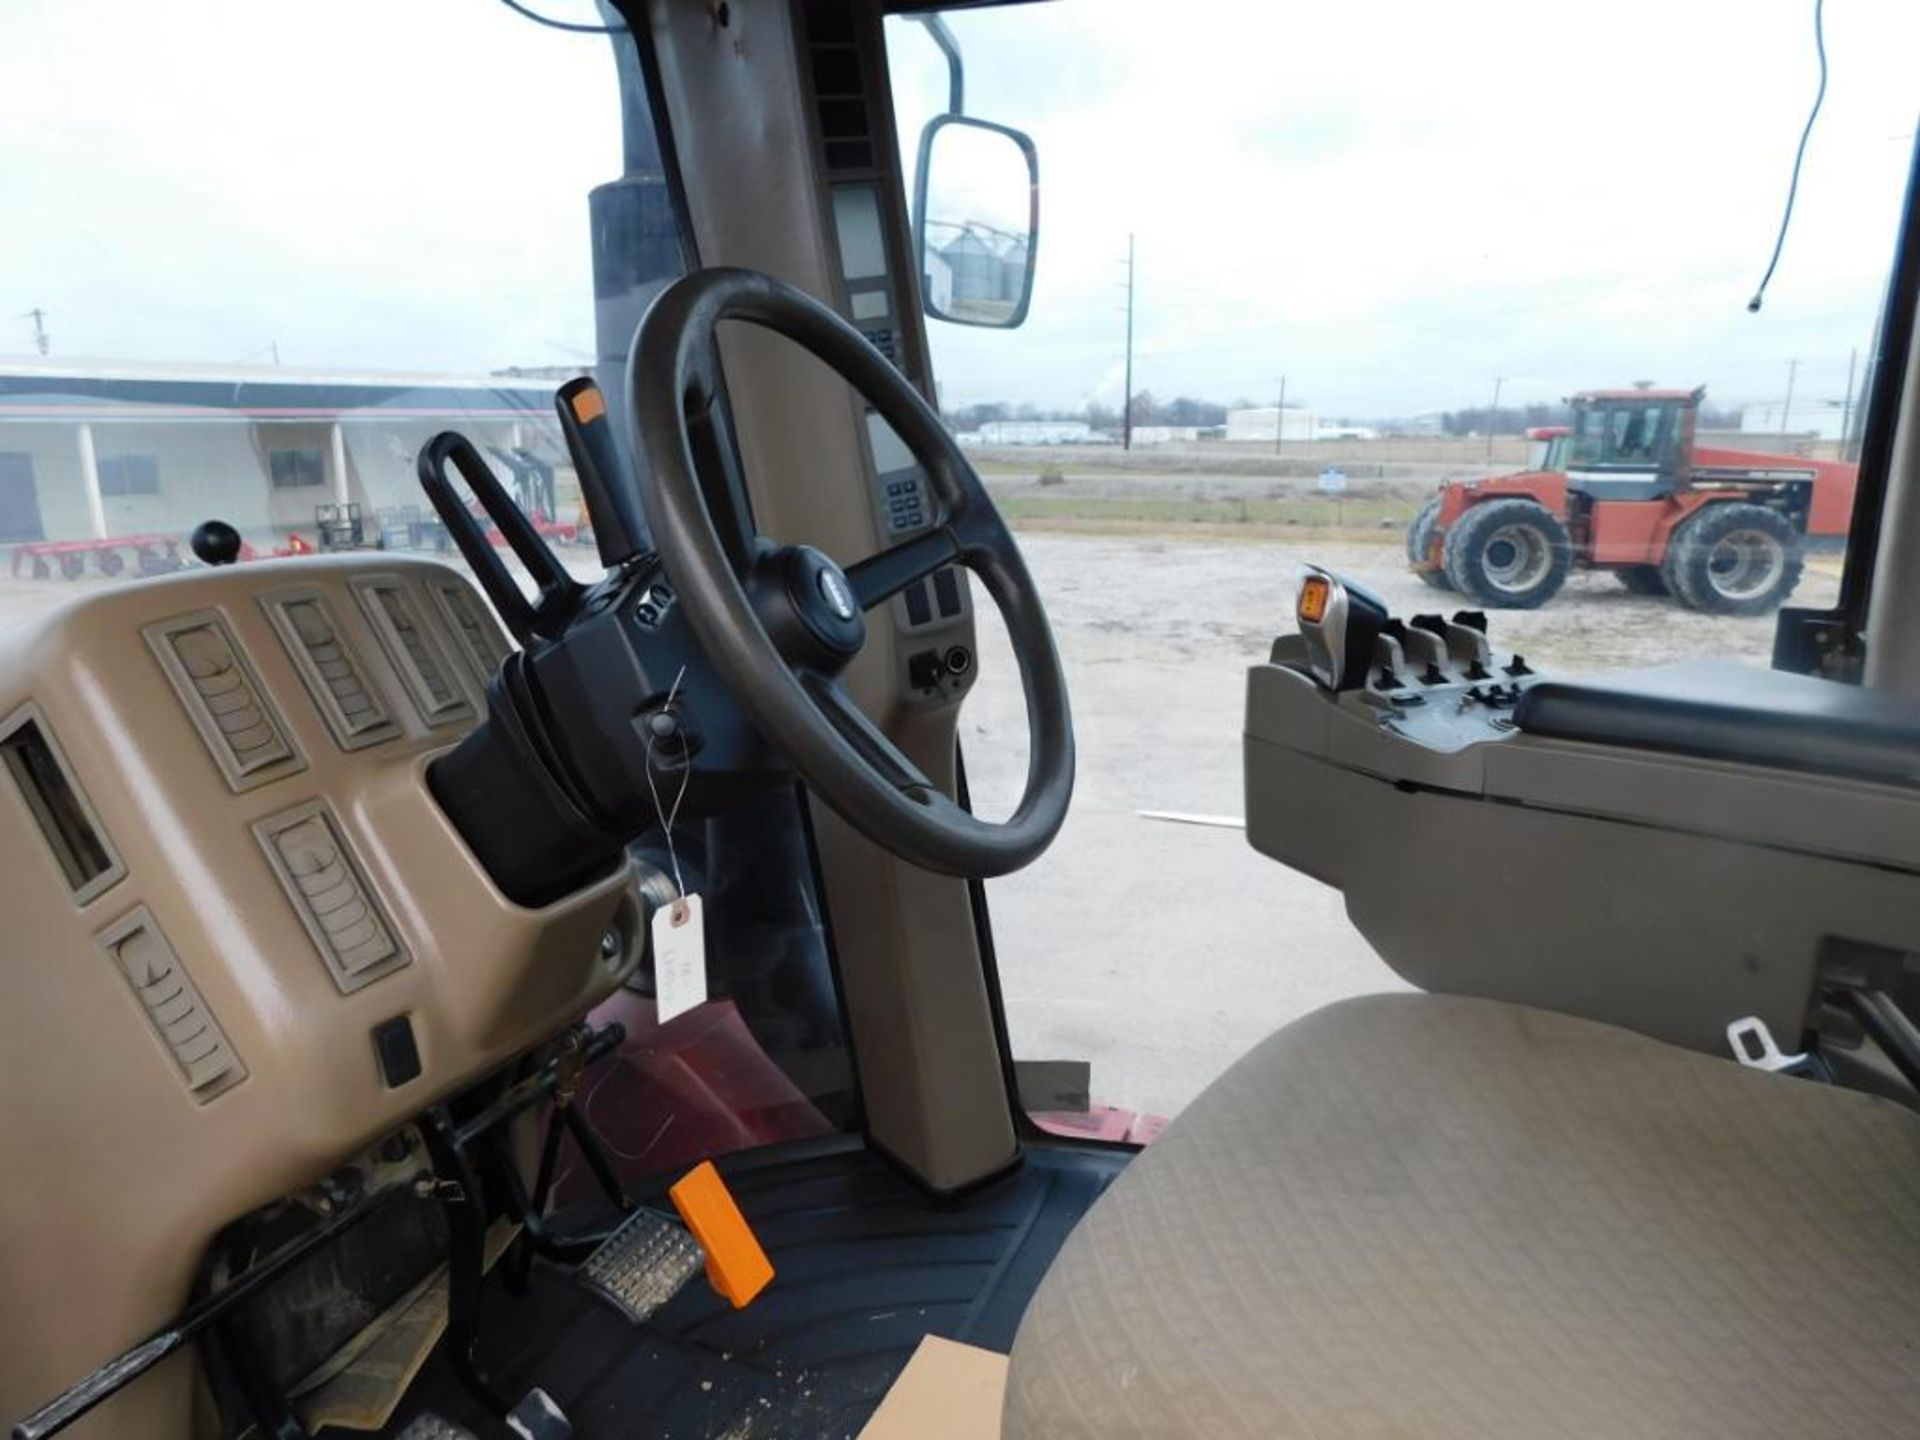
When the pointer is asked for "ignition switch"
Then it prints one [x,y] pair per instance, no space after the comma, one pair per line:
[926,670]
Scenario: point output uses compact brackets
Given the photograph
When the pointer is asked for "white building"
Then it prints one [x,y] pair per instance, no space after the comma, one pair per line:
[94,450]
[1823,419]
[1165,434]
[1036,432]
[1258,424]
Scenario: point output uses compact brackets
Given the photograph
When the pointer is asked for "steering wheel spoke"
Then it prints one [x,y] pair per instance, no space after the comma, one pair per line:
[880,577]
[880,753]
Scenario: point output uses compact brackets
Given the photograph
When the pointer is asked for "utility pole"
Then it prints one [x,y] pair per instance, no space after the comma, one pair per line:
[42,341]
[1846,407]
[1280,417]
[1493,414]
[1786,410]
[1126,398]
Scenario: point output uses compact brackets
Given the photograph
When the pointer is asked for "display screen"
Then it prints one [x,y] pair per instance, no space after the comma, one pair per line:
[856,215]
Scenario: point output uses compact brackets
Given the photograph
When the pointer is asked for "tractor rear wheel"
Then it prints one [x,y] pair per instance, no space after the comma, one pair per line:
[1734,559]
[1420,542]
[1508,554]
[1642,579]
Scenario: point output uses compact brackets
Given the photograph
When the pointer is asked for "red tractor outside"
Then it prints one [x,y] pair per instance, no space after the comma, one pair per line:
[1624,488]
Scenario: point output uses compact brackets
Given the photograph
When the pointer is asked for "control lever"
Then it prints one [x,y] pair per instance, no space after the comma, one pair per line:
[1389,660]
[1426,652]
[1466,644]
[559,593]
[1339,622]
[612,503]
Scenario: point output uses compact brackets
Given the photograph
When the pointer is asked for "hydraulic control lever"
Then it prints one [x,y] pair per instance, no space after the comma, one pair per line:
[612,504]
[559,593]
[1339,622]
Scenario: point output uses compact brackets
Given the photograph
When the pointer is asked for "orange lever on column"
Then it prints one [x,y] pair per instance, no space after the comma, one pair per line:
[737,1268]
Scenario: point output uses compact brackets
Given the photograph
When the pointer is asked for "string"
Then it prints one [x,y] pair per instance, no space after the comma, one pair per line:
[667,817]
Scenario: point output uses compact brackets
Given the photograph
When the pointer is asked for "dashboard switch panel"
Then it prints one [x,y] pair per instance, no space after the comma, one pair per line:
[482,642]
[334,675]
[224,698]
[413,650]
[330,894]
[179,1015]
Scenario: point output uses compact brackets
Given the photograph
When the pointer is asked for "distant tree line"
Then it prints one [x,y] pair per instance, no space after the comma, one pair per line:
[1186,410]
[1146,410]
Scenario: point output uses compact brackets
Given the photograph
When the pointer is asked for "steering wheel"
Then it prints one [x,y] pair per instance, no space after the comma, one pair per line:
[780,624]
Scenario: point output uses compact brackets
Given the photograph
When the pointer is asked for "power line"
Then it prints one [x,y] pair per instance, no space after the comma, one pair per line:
[42,341]
[1493,414]
[1126,393]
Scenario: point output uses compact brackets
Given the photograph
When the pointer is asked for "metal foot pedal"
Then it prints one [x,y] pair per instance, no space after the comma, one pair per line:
[642,1265]
[536,1417]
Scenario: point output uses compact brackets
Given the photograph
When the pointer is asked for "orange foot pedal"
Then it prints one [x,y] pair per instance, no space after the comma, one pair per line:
[737,1268]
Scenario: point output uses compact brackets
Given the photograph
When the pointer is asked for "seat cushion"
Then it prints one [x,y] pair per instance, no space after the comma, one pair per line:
[1436,1217]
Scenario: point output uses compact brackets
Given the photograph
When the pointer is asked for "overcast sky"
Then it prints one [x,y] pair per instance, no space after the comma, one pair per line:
[1390,201]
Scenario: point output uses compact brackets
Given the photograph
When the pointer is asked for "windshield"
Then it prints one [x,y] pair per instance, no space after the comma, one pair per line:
[1627,434]
[1299,270]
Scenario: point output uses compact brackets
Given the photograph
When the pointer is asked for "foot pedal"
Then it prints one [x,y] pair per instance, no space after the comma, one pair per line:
[642,1265]
[536,1417]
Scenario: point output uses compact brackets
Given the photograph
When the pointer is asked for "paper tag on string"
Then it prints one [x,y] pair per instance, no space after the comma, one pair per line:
[679,957]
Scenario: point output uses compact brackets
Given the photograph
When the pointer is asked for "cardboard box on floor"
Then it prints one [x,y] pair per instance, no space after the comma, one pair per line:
[948,1391]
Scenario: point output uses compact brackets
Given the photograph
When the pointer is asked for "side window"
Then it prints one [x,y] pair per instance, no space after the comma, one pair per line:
[129,474]
[297,469]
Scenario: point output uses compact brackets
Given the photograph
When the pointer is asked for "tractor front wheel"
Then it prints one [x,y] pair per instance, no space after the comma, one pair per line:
[1734,559]
[1420,543]
[1508,554]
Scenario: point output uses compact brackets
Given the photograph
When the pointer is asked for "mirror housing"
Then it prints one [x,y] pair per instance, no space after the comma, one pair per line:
[976,269]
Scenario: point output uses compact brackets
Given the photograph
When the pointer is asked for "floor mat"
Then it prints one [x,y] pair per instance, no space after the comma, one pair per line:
[864,1266]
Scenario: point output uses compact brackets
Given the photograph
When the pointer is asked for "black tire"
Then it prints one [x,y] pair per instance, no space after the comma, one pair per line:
[1734,559]
[1420,539]
[1508,554]
[1643,579]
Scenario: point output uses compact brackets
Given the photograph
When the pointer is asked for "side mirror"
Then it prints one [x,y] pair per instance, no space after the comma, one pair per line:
[976,221]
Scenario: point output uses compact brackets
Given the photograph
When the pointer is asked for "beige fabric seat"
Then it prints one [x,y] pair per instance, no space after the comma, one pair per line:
[1424,1217]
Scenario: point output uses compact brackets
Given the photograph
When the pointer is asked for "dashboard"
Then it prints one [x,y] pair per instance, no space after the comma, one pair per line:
[243,940]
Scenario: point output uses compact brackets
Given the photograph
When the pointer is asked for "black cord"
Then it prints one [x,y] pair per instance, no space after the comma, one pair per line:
[567,25]
[1799,156]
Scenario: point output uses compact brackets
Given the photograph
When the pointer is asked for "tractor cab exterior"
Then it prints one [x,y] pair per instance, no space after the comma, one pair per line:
[1627,489]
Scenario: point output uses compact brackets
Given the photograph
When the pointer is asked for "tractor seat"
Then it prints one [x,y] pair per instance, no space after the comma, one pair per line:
[1442,1218]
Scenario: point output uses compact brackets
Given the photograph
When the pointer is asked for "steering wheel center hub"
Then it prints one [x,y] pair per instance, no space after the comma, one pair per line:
[821,599]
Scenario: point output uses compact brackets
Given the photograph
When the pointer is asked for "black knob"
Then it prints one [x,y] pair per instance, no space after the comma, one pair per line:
[215,542]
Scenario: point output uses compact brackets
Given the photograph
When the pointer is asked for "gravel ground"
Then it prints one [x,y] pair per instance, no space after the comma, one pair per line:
[1159,952]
